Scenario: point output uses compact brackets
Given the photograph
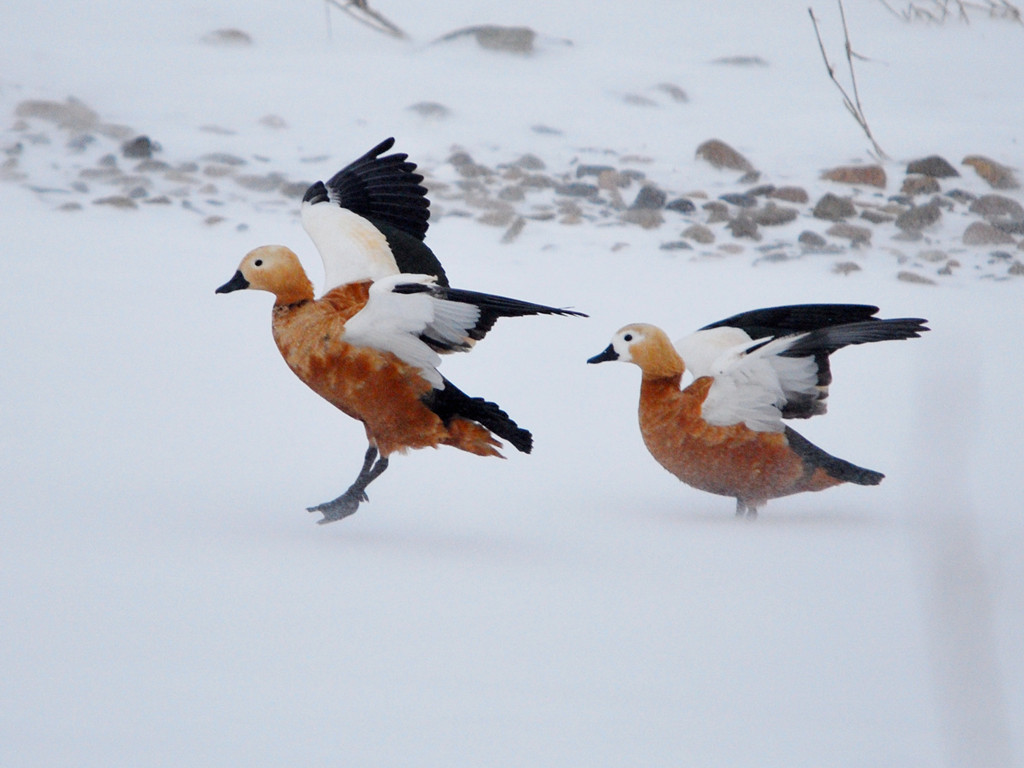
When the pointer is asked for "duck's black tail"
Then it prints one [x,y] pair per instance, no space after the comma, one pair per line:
[837,468]
[451,401]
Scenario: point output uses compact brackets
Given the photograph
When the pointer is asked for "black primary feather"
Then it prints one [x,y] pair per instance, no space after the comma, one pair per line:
[451,401]
[491,307]
[821,342]
[384,189]
[795,318]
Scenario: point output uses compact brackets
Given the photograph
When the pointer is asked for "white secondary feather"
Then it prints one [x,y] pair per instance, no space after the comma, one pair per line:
[393,322]
[702,349]
[752,387]
[352,248]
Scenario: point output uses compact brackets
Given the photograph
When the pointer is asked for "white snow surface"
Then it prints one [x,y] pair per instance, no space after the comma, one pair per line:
[167,601]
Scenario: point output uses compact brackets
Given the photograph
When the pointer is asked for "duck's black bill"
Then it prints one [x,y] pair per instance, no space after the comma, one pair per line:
[604,357]
[236,283]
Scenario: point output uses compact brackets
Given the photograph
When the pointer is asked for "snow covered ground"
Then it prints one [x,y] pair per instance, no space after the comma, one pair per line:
[165,598]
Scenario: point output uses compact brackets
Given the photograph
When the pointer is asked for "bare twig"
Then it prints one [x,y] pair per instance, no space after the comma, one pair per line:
[363,13]
[853,106]
[937,11]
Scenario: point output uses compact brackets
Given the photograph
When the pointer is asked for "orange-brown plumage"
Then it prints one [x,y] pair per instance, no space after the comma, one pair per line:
[732,460]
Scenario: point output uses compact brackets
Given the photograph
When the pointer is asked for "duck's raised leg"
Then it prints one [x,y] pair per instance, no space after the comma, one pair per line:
[349,501]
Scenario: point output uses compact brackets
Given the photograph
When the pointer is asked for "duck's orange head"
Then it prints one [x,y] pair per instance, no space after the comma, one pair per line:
[646,346]
[272,268]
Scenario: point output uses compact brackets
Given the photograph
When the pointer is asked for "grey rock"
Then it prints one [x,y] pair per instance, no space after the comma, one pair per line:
[699,234]
[738,199]
[996,207]
[743,226]
[919,217]
[833,208]
[856,235]
[983,233]
[717,211]
[680,205]
[650,197]
[934,166]
[772,215]
[811,239]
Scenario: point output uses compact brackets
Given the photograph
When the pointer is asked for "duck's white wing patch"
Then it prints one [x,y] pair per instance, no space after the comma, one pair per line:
[752,384]
[352,248]
[399,321]
[702,349]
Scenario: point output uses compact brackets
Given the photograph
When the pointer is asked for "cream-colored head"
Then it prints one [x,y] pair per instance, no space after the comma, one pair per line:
[272,268]
[646,346]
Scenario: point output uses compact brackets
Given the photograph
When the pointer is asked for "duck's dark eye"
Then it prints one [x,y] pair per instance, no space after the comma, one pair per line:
[258,262]
[628,337]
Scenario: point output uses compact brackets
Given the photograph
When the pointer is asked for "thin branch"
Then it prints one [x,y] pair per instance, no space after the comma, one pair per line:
[853,106]
[361,12]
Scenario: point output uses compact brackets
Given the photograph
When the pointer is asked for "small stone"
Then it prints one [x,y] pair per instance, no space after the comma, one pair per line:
[948,268]
[71,114]
[913,277]
[721,155]
[833,208]
[676,93]
[69,207]
[750,177]
[141,147]
[983,233]
[739,199]
[998,176]
[514,194]
[648,218]
[919,217]
[933,256]
[790,194]
[740,61]
[676,245]
[856,235]
[227,37]
[876,217]
[577,189]
[530,162]
[430,110]
[1017,268]
[294,189]
[591,170]
[680,205]
[497,217]
[961,196]
[869,175]
[699,234]
[920,185]
[997,207]
[258,183]
[276,122]
[744,226]
[650,197]
[762,191]
[116,201]
[717,211]
[845,267]
[933,166]
[223,158]
[773,215]
[636,100]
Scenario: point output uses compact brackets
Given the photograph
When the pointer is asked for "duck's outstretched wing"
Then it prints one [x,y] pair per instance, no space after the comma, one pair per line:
[415,318]
[822,329]
[370,218]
